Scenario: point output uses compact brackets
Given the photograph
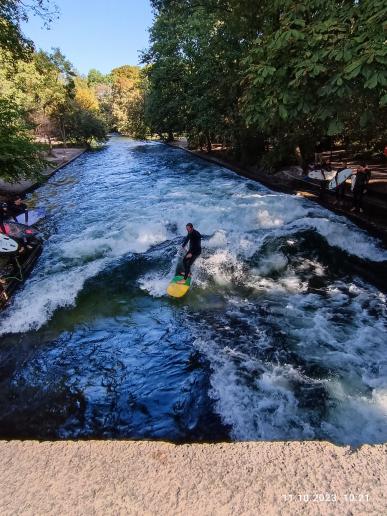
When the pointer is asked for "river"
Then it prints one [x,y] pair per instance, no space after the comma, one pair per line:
[283,335]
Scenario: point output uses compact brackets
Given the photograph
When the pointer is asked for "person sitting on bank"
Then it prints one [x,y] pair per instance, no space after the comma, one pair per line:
[363,175]
[17,207]
[4,216]
[195,248]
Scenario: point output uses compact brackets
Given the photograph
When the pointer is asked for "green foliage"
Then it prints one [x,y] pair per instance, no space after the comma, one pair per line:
[82,126]
[19,155]
[49,102]
[40,95]
[79,119]
[323,67]
[40,87]
[293,72]
[127,100]
[95,77]
[193,72]
[22,88]
[12,13]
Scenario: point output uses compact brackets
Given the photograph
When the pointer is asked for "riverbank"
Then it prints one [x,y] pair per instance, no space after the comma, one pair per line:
[123,477]
[60,158]
[374,220]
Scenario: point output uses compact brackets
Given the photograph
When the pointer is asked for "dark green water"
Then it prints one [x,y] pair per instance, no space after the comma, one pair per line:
[281,337]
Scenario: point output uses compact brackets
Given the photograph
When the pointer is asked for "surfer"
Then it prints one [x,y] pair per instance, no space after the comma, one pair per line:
[17,207]
[318,152]
[363,175]
[195,248]
[324,167]
[340,189]
[3,216]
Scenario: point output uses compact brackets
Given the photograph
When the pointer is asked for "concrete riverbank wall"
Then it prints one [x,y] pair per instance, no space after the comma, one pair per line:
[59,159]
[123,477]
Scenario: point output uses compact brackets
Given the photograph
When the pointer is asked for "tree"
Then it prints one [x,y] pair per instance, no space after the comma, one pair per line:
[12,13]
[125,87]
[319,69]
[242,71]
[85,96]
[19,155]
[95,78]
[166,76]
[39,87]
[82,126]
[78,118]
[128,86]
[195,70]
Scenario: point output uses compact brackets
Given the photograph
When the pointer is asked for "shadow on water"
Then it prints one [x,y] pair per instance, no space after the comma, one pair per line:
[119,364]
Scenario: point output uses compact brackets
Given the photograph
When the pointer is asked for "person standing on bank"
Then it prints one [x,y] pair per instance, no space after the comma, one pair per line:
[318,153]
[340,189]
[363,175]
[195,248]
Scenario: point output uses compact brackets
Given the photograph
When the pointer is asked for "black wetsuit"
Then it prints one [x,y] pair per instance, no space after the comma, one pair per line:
[340,189]
[362,179]
[17,209]
[324,167]
[195,248]
[4,215]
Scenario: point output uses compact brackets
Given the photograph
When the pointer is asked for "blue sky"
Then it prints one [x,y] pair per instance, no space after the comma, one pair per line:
[100,34]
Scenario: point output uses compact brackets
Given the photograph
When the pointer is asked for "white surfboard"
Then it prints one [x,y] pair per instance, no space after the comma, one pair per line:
[341,177]
[31,216]
[320,175]
[7,244]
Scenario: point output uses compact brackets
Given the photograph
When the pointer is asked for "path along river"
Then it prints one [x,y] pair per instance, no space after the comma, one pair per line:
[283,335]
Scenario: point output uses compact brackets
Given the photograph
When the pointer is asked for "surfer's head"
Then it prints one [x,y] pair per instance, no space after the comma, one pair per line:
[189,227]
[345,163]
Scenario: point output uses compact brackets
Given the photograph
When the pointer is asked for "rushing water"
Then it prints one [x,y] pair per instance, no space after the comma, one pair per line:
[282,336]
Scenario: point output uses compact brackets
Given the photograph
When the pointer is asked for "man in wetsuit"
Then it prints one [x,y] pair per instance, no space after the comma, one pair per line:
[17,207]
[195,248]
[340,189]
[318,150]
[363,175]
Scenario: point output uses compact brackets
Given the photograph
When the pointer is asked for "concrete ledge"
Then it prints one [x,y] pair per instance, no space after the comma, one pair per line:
[63,157]
[122,477]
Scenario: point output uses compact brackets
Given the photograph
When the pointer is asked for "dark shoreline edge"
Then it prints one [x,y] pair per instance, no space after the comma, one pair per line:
[10,288]
[373,228]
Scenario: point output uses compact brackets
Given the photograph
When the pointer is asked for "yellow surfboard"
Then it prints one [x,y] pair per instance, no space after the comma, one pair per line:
[178,289]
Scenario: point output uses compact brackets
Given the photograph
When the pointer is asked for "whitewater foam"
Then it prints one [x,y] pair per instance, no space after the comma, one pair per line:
[296,349]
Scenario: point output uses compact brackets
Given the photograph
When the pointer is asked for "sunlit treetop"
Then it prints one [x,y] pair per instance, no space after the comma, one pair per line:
[12,13]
